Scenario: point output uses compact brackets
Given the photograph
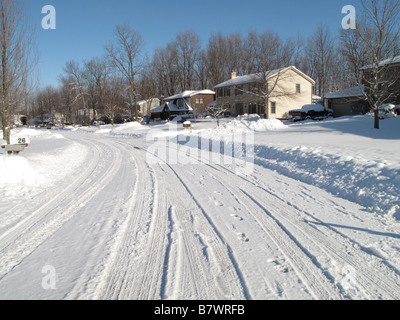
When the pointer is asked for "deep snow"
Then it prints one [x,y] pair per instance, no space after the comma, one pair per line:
[317,216]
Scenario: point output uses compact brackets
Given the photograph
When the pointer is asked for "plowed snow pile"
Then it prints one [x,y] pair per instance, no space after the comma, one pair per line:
[254,123]
[41,165]
[344,156]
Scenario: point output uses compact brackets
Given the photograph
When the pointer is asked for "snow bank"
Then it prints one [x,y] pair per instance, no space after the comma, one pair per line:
[41,165]
[249,124]
[36,133]
[127,127]
[374,185]
[18,171]
[343,156]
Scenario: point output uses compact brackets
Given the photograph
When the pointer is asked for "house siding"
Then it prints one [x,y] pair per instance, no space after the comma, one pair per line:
[392,74]
[288,98]
[283,98]
[199,102]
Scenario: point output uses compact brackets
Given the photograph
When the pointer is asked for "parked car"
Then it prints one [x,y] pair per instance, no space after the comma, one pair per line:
[310,111]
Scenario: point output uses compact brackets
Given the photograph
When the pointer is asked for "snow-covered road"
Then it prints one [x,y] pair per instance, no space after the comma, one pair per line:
[122,227]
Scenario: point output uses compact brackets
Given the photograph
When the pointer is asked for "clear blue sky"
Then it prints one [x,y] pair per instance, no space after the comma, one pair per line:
[85,27]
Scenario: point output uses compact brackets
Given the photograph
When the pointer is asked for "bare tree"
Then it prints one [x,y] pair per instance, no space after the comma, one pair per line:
[202,79]
[126,56]
[188,54]
[215,53]
[235,50]
[378,37]
[148,89]
[380,44]
[321,54]
[225,54]
[114,97]
[47,101]
[75,74]
[166,71]
[217,110]
[354,51]
[17,55]
[269,57]
[95,76]
[67,98]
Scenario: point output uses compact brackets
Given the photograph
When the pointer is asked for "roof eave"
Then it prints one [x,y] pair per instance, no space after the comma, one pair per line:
[229,83]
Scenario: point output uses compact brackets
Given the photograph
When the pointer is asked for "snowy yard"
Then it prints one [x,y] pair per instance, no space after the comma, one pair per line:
[253,209]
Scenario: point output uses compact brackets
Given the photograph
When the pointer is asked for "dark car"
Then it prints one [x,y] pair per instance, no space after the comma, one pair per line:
[310,111]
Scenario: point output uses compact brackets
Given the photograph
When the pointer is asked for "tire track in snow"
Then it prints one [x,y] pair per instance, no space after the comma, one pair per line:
[377,281]
[300,260]
[197,275]
[373,277]
[148,283]
[21,240]
[303,262]
[319,285]
[215,277]
[135,268]
[111,279]
[96,264]
[380,282]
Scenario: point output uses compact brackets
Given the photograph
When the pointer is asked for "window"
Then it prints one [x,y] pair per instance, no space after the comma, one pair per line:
[227,92]
[273,107]
[220,92]
[252,108]
[298,88]
[239,108]
[197,100]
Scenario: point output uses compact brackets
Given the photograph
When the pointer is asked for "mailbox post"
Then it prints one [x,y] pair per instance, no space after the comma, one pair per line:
[7,135]
[188,125]
[15,145]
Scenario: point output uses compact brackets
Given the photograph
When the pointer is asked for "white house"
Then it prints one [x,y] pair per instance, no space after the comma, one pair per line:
[273,93]
[144,106]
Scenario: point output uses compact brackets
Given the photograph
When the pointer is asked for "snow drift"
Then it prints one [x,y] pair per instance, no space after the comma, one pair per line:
[374,185]
[41,165]
[364,177]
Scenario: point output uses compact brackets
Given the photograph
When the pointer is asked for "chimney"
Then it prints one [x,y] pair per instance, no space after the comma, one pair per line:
[233,75]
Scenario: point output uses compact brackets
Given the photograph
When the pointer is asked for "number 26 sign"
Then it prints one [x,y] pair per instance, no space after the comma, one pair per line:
[19,140]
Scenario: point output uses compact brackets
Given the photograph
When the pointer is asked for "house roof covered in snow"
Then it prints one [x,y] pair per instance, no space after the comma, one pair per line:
[188,94]
[158,109]
[258,77]
[152,100]
[356,91]
[383,63]
[172,107]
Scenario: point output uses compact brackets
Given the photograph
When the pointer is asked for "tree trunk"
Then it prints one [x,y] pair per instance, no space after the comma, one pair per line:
[7,134]
[376,118]
[266,116]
